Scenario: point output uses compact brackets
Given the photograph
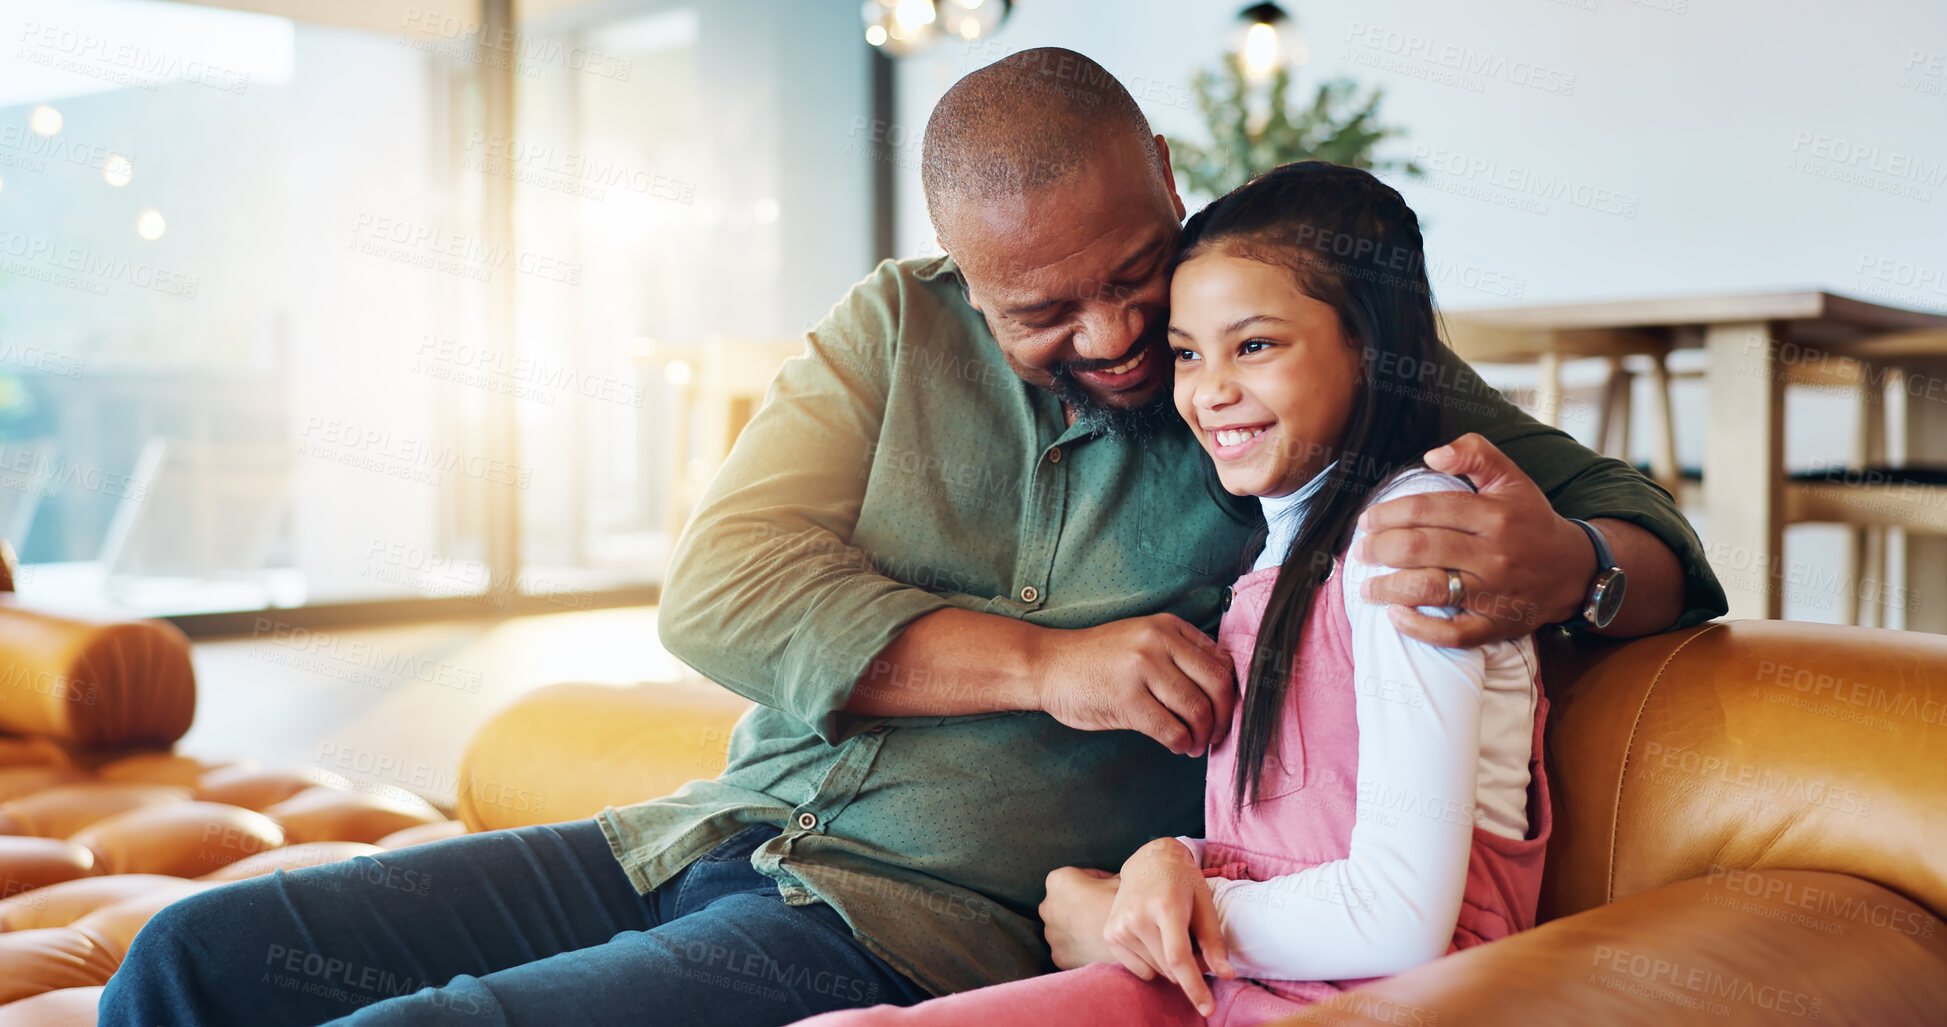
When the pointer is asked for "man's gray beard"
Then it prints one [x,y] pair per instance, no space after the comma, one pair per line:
[1131,424]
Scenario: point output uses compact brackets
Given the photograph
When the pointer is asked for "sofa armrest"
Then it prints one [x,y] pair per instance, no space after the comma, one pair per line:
[1790,946]
[1763,745]
[98,684]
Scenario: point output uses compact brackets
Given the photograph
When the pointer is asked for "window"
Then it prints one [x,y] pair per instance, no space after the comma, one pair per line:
[286,320]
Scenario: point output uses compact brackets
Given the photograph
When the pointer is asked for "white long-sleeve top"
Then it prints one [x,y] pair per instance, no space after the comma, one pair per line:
[1444,743]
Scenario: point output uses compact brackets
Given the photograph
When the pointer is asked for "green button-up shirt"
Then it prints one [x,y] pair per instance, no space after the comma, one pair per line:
[900,467]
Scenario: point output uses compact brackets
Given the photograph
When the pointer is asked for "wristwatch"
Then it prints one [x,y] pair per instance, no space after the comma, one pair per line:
[1606,594]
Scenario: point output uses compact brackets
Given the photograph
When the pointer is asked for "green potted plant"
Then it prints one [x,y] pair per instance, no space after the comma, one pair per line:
[1255,126]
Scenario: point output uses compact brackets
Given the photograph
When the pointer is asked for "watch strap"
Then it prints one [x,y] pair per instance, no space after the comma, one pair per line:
[1607,572]
[1605,558]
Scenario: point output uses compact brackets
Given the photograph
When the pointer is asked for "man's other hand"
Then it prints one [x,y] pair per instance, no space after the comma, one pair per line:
[1074,913]
[1155,674]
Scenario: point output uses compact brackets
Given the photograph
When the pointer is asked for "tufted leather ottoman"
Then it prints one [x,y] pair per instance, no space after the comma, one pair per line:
[101,826]
[97,849]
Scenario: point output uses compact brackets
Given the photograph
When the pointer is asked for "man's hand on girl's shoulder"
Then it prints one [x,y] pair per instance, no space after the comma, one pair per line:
[1521,564]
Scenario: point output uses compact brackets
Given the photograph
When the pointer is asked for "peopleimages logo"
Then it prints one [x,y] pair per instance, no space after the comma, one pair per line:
[46,361]
[521,376]
[88,270]
[33,150]
[465,256]
[1822,901]
[368,663]
[1868,157]
[1866,165]
[580,174]
[26,469]
[1925,72]
[403,457]
[1702,982]
[1525,183]
[1904,273]
[523,49]
[1447,63]
[124,63]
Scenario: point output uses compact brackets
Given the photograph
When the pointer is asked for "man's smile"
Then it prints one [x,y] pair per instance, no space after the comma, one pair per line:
[1133,373]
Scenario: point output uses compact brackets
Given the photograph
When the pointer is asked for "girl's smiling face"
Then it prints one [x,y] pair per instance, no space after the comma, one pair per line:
[1264,373]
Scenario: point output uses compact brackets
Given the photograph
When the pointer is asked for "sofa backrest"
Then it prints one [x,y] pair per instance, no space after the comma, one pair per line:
[1743,746]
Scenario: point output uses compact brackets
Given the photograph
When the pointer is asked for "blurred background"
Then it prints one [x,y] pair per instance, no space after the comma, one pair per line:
[363,311]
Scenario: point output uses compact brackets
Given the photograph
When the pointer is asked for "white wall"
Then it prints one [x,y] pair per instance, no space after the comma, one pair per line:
[1701,117]
[1749,147]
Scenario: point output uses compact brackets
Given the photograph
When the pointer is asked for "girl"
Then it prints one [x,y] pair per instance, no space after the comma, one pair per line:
[1378,802]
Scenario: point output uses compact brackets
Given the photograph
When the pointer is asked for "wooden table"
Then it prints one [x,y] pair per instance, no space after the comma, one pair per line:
[1753,342]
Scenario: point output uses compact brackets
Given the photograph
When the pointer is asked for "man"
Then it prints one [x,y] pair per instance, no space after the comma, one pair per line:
[967,563]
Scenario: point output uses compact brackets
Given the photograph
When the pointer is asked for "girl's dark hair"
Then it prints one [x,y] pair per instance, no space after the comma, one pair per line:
[1352,243]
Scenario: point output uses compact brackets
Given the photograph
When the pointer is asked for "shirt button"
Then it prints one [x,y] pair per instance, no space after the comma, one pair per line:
[807,821]
[1029,593]
[1054,456]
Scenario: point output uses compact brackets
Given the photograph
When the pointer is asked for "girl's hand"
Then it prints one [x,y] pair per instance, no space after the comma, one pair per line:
[1162,906]
[1074,913]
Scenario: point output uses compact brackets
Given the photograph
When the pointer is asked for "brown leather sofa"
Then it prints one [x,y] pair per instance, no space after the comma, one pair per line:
[1750,827]
[1750,818]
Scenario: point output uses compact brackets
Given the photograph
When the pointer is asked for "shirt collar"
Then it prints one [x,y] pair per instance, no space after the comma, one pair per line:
[938,267]
[1282,515]
[1291,505]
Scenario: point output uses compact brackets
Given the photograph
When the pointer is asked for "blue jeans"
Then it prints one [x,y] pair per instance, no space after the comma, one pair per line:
[536,925]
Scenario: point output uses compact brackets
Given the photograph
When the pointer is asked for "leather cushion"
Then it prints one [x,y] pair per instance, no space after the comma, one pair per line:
[318,814]
[16,752]
[26,780]
[47,958]
[164,768]
[1784,947]
[64,809]
[258,788]
[114,926]
[27,863]
[66,1007]
[59,905]
[185,839]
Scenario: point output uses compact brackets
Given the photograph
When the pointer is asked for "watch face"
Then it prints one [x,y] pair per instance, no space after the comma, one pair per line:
[1606,598]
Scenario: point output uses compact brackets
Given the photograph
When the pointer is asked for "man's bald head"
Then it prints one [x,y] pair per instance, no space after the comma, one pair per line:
[1021,124]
